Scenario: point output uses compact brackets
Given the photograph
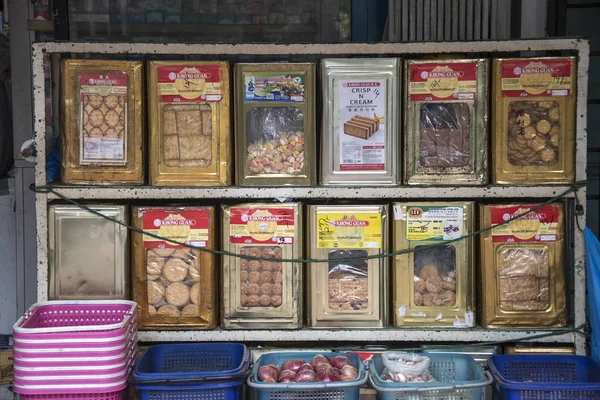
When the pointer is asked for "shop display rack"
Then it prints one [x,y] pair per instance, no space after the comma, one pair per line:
[577,47]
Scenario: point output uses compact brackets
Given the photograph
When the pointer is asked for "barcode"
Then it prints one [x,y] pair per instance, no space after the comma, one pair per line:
[350,161]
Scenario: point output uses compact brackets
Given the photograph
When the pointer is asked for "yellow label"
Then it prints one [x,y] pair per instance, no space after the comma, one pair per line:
[349,231]
[190,92]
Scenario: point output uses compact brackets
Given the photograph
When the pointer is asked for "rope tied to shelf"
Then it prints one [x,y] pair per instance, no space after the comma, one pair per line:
[49,189]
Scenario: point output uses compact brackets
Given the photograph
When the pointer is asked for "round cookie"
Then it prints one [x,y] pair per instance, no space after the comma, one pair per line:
[191,310]
[156,292]
[264,300]
[448,298]
[111,101]
[266,266]
[276,301]
[419,286]
[163,252]
[244,300]
[175,270]
[151,277]
[546,104]
[276,266]
[111,118]
[254,277]
[554,114]
[547,155]
[537,143]
[277,277]
[434,284]
[182,253]
[266,276]
[244,288]
[253,300]
[154,266]
[418,299]
[243,276]
[193,274]
[277,288]
[254,289]
[529,133]
[169,311]
[177,294]
[96,118]
[543,126]
[554,139]
[266,288]
[277,252]
[523,120]
[151,310]
[254,265]
[428,271]
[195,293]
[95,101]
[244,264]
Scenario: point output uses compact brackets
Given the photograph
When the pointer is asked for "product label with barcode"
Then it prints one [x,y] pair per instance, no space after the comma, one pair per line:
[361,135]
[274,87]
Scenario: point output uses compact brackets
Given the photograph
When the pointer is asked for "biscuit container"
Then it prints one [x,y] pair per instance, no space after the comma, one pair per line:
[522,276]
[275,124]
[445,121]
[533,126]
[347,294]
[262,294]
[102,122]
[88,255]
[433,287]
[190,127]
[360,136]
[174,286]
[520,349]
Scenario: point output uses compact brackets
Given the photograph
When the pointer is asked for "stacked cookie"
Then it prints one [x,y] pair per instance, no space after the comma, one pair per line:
[187,135]
[261,281]
[523,279]
[433,289]
[173,282]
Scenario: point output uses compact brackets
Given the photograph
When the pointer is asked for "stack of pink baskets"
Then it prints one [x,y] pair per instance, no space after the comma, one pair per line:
[75,349]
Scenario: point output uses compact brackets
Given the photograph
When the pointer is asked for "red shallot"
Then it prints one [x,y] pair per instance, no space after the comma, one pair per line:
[293,365]
[328,376]
[348,371]
[340,361]
[287,376]
[268,373]
[305,376]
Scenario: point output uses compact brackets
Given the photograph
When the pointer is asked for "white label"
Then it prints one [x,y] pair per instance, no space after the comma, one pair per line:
[459,323]
[439,317]
[361,109]
[402,311]
[419,314]
[560,93]
[470,319]
[398,216]
[434,223]
[102,149]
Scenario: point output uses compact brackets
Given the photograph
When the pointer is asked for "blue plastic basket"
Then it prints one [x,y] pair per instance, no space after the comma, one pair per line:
[195,371]
[458,377]
[545,377]
[310,390]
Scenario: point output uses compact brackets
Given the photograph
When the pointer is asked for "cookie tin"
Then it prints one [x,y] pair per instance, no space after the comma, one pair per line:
[522,277]
[259,290]
[190,127]
[347,293]
[533,126]
[433,286]
[275,124]
[174,285]
[102,122]
[521,349]
[445,119]
[88,255]
[360,136]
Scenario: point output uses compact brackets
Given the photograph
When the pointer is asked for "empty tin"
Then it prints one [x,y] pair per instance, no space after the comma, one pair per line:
[87,254]
[360,137]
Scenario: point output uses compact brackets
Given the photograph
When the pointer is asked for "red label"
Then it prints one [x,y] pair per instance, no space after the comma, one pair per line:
[536,77]
[103,80]
[262,226]
[189,83]
[540,225]
[442,81]
[188,226]
[362,167]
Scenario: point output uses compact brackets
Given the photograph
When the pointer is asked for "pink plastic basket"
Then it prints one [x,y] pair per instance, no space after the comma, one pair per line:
[89,360]
[118,395]
[56,320]
[42,342]
[71,391]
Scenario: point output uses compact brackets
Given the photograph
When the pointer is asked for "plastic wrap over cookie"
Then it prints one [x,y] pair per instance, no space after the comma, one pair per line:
[275,140]
[444,135]
[261,281]
[173,282]
[348,281]
[435,276]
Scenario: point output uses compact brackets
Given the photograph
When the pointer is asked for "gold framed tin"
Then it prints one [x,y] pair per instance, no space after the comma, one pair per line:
[174,286]
[347,293]
[190,135]
[360,135]
[522,277]
[260,292]
[445,137]
[433,287]
[275,124]
[103,122]
[88,255]
[520,349]
[533,136]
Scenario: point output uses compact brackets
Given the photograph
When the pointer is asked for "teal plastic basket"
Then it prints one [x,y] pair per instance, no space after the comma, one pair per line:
[457,377]
[310,390]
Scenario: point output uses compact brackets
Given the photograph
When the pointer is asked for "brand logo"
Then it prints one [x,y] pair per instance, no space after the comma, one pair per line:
[174,222]
[415,212]
[536,68]
[102,80]
[349,221]
[442,72]
[261,218]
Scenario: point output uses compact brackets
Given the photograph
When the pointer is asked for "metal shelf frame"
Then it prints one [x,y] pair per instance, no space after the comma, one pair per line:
[579,46]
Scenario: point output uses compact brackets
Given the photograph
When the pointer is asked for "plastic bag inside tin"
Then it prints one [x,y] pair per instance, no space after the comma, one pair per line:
[261,282]
[435,276]
[523,279]
[533,133]
[275,137]
[173,282]
[187,135]
[348,281]
[444,135]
